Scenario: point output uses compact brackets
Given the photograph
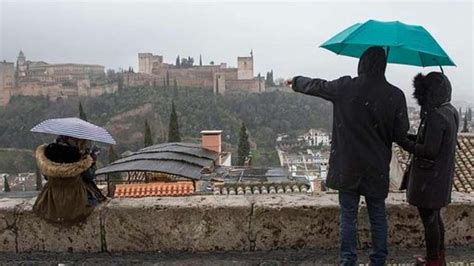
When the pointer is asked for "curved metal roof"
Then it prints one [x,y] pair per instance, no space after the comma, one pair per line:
[181,159]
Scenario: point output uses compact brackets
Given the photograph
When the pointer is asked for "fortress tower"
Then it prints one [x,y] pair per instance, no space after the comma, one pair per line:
[7,81]
[21,65]
[147,61]
[245,67]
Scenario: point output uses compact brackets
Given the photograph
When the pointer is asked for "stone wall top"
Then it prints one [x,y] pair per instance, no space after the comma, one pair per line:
[224,223]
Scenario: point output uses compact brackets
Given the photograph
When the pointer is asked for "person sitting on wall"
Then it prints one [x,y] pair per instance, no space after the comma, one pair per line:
[70,194]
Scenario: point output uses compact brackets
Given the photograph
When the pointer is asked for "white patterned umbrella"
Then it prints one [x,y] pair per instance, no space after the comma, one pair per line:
[74,127]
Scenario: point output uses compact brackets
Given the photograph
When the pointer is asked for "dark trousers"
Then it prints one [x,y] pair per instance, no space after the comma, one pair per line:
[348,228]
[434,231]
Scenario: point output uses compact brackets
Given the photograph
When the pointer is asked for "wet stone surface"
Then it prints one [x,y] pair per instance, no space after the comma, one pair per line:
[456,256]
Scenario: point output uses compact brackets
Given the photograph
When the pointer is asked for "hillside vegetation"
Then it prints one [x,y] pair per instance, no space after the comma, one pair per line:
[124,114]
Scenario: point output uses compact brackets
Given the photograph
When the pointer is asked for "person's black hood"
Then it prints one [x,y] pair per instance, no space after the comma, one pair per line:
[373,62]
[61,153]
[432,90]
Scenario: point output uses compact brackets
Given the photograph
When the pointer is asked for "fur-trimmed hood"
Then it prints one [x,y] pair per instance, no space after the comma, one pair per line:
[432,90]
[60,170]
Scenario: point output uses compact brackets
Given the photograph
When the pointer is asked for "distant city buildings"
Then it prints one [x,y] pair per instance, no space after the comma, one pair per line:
[38,78]
[306,156]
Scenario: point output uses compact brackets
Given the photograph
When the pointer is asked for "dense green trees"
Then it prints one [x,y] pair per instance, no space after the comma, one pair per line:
[265,115]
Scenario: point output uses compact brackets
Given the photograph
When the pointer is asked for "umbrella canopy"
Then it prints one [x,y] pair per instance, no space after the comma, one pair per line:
[74,127]
[406,44]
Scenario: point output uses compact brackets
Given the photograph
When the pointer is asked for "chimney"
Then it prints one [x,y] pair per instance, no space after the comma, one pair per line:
[211,140]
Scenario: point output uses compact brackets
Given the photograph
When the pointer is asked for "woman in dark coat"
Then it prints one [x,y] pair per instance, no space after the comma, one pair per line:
[69,196]
[431,172]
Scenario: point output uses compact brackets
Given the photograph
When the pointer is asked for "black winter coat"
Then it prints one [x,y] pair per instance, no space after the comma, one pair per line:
[369,115]
[432,168]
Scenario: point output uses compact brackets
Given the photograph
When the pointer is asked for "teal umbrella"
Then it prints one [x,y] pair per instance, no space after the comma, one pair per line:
[405,44]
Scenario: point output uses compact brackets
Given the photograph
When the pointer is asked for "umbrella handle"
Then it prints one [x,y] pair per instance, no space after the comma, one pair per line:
[440,67]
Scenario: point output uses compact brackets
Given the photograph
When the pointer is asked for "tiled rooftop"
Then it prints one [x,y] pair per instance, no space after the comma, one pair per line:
[464,167]
[464,163]
[156,189]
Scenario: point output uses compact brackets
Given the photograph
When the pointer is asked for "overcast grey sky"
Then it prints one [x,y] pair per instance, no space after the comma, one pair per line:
[284,35]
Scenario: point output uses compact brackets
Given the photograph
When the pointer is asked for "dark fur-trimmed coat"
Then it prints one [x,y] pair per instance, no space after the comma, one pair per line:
[64,197]
[432,168]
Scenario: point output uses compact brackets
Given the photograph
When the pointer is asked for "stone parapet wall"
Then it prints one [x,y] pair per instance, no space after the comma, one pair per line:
[224,223]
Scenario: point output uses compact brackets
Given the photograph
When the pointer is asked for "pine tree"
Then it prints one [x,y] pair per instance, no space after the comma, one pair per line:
[173,130]
[148,139]
[39,180]
[200,60]
[82,114]
[6,186]
[244,146]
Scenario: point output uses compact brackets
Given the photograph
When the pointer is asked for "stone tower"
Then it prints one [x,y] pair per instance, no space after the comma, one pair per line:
[148,61]
[7,81]
[21,65]
[245,67]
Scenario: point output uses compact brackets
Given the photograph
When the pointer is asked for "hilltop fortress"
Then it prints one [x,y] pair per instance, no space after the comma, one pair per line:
[59,81]
[56,81]
[153,71]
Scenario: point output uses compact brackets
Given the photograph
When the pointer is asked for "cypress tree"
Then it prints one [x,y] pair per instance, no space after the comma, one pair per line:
[148,139]
[173,130]
[469,112]
[113,156]
[39,180]
[82,114]
[178,62]
[244,145]
[200,60]
[460,112]
[6,186]
[465,129]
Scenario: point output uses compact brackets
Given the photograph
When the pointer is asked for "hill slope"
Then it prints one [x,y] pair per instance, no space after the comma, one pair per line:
[124,113]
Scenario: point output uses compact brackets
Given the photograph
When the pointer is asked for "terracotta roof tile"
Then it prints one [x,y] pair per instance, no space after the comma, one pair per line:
[464,163]
[156,189]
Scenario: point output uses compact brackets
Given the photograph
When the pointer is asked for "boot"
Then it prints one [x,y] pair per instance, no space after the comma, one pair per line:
[442,257]
[420,260]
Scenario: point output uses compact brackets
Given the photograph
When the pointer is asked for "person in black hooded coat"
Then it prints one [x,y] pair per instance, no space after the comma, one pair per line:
[432,167]
[369,115]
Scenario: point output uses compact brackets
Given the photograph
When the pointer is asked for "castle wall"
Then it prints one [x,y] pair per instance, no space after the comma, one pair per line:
[247,85]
